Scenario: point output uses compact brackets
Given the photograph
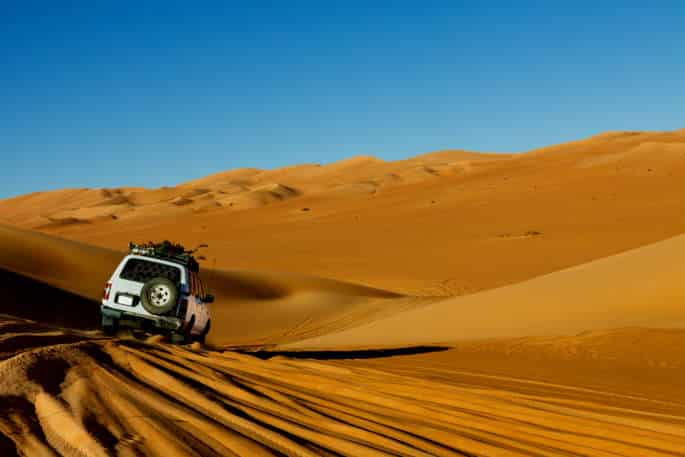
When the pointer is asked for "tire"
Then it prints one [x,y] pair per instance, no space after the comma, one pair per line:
[110,326]
[159,296]
[203,336]
[182,335]
[178,338]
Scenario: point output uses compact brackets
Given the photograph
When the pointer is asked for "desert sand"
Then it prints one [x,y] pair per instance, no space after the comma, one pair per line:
[455,303]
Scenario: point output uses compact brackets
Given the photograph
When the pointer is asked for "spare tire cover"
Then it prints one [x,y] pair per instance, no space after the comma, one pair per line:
[159,296]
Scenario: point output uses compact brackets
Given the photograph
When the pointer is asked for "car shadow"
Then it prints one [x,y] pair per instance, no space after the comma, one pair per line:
[348,354]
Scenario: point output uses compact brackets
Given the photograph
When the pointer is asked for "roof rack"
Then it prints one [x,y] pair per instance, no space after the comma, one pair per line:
[166,250]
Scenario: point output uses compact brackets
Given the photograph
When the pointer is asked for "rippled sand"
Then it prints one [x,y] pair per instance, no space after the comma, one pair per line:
[96,397]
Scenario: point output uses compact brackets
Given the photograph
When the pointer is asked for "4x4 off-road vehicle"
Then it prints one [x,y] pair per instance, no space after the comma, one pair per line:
[157,288]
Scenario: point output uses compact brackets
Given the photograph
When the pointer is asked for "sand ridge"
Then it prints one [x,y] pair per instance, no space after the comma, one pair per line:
[233,190]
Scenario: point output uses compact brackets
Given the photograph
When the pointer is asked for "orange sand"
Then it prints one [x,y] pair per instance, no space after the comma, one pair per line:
[540,294]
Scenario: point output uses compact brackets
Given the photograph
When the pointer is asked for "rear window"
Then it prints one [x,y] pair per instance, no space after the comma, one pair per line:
[140,270]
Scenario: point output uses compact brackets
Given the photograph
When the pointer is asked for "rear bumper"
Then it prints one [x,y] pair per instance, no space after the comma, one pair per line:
[128,319]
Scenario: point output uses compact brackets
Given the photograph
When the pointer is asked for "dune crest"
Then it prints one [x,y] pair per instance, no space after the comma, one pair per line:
[235,190]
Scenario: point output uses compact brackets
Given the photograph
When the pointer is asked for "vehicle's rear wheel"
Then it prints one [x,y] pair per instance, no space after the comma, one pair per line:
[179,338]
[203,336]
[110,326]
[159,296]
[182,335]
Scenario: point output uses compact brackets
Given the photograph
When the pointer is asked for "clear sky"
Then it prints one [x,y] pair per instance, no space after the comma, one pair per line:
[152,93]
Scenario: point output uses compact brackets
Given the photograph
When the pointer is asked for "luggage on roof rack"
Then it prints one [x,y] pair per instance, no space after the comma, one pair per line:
[166,250]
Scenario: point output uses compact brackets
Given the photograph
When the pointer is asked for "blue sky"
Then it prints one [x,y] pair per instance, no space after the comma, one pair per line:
[104,94]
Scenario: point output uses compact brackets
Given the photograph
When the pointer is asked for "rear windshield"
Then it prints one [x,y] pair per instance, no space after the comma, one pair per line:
[140,270]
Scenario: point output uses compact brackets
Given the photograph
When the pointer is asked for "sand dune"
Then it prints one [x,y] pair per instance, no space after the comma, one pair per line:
[596,393]
[307,312]
[233,190]
[638,288]
[55,280]
[392,226]
[69,265]
[481,305]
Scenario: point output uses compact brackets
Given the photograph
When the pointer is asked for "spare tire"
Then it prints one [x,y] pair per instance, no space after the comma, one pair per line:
[159,296]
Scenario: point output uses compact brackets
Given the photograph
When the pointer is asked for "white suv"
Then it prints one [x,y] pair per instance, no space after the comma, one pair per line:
[158,288]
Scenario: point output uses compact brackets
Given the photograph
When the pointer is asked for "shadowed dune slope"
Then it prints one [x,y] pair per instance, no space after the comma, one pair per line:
[643,287]
[31,299]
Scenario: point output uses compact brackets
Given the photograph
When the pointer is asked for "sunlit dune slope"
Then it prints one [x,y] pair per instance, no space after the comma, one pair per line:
[233,190]
[443,224]
[639,363]
[643,287]
[124,397]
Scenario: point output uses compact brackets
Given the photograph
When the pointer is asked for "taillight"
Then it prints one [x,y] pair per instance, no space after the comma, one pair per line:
[108,288]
